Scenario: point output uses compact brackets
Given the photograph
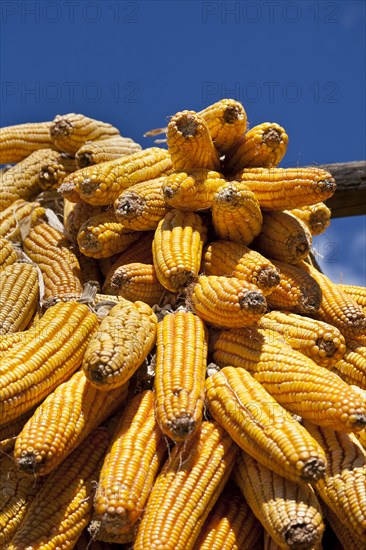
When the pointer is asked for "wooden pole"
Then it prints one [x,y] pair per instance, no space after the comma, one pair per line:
[350,196]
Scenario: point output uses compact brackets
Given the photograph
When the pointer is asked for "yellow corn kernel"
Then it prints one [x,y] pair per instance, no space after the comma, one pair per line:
[8,255]
[103,235]
[20,140]
[62,422]
[323,343]
[69,132]
[180,370]
[226,302]
[347,538]
[294,380]
[136,282]
[123,341]
[357,293]
[262,146]
[142,206]
[283,237]
[103,150]
[19,294]
[297,291]
[236,260]
[190,144]
[192,190]
[10,340]
[75,214]
[49,249]
[47,356]
[236,214]
[352,366]
[286,188]
[227,121]
[261,427]
[130,467]
[177,248]
[186,490]
[289,512]
[53,171]
[63,506]
[316,217]
[337,308]
[19,214]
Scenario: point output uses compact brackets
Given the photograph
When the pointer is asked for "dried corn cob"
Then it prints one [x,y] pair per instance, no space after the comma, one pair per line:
[142,206]
[9,340]
[286,188]
[337,308]
[226,302]
[236,214]
[227,121]
[190,144]
[294,380]
[19,293]
[75,214]
[297,291]
[17,215]
[231,524]
[323,343]
[290,512]
[68,190]
[85,542]
[263,146]
[63,506]
[357,293]
[8,255]
[49,354]
[136,282]
[348,539]
[352,366]
[186,490]
[124,339]
[283,237]
[129,470]
[236,260]
[316,217]
[102,183]
[180,371]
[53,171]
[103,235]
[20,140]
[94,152]
[69,132]
[177,248]
[343,488]
[49,249]
[261,427]
[192,190]
[62,422]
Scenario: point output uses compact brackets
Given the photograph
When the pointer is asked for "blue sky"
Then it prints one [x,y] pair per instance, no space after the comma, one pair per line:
[299,63]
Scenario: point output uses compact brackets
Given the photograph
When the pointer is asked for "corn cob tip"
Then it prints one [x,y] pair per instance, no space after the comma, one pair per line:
[85,159]
[182,426]
[327,348]
[232,113]
[28,463]
[253,301]
[313,469]
[168,192]
[271,137]
[187,124]
[301,534]
[88,186]
[130,204]
[60,127]
[327,186]
[268,277]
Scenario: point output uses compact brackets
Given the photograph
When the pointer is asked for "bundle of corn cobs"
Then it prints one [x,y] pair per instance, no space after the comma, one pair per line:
[162,385]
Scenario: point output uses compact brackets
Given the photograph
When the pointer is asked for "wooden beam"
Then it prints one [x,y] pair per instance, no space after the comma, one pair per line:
[350,196]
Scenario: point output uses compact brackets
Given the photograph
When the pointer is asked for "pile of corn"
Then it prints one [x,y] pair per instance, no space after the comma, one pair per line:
[174,371]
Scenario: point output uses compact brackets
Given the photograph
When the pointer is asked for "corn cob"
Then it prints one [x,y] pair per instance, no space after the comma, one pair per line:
[17,491]
[8,255]
[294,380]
[226,302]
[123,341]
[323,343]
[192,190]
[136,282]
[186,490]
[348,539]
[19,214]
[68,190]
[283,237]
[316,217]
[142,206]
[85,542]
[297,291]
[62,422]
[69,132]
[9,340]
[177,248]
[227,121]
[53,171]
[270,544]
[236,214]
[231,524]
[261,427]
[75,214]
[49,249]
[263,146]
[190,144]
[63,506]
[48,355]
[357,293]
[337,308]
[94,152]
[102,183]
[352,366]
[236,260]
[180,370]
[103,235]
[20,140]
[129,470]
[286,188]
[288,511]
[343,487]
[10,431]
[19,293]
